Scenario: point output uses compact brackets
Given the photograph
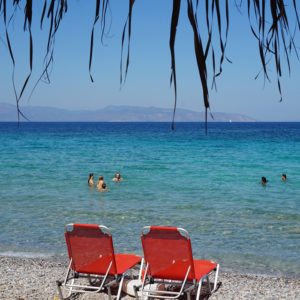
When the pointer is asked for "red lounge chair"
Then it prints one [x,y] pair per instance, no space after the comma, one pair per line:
[169,260]
[91,253]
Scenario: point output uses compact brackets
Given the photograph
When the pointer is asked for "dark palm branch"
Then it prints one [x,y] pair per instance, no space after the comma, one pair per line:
[269,22]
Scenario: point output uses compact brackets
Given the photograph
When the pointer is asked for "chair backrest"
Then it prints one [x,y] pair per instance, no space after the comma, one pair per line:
[90,247]
[168,252]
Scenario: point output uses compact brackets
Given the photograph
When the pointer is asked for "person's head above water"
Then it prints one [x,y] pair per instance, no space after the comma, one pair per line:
[264,180]
[101,177]
[91,179]
[283,177]
[117,177]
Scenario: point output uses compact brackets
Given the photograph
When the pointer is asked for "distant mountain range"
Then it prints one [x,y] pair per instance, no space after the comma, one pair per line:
[114,114]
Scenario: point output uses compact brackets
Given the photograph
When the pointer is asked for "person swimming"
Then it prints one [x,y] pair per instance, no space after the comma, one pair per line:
[117,177]
[91,179]
[264,180]
[100,182]
[103,188]
[283,177]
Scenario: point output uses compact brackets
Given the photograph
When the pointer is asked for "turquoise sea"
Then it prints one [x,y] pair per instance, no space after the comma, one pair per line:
[209,185]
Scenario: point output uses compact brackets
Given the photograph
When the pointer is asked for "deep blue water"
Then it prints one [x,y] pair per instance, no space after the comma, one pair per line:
[209,185]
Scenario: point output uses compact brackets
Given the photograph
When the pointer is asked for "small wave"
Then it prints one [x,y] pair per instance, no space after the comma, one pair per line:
[294,230]
[25,254]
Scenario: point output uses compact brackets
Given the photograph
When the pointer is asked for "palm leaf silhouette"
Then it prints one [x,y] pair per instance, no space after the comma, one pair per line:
[269,23]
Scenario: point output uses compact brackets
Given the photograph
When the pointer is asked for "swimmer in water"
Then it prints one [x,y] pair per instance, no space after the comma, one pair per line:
[91,179]
[103,188]
[117,177]
[100,182]
[264,180]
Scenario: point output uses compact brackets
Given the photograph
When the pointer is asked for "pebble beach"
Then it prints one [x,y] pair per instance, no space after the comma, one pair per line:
[35,278]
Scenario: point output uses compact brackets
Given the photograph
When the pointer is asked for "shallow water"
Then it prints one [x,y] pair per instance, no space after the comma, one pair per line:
[209,185]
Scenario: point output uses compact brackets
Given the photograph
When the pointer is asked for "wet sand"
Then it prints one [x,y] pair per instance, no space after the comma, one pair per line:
[35,278]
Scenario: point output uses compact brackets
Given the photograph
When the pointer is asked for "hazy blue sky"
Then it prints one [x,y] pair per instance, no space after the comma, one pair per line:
[149,73]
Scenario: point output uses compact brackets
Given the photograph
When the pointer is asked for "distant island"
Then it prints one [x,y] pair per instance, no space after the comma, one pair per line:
[114,114]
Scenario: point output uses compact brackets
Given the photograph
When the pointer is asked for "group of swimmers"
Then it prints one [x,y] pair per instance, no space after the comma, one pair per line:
[101,185]
[264,179]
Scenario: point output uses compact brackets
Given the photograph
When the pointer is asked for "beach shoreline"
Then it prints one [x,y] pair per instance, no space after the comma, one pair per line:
[35,278]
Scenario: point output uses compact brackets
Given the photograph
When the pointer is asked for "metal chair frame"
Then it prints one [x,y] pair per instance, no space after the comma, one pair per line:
[186,287]
[106,280]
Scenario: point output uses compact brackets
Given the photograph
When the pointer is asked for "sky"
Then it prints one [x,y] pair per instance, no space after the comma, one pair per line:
[148,80]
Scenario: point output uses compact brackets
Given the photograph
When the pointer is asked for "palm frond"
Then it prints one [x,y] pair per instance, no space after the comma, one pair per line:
[270,23]
[128,27]
[174,22]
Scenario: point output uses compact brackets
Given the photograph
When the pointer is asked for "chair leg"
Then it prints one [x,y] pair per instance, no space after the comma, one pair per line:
[109,292]
[120,287]
[58,283]
[216,278]
[199,289]
[208,284]
[141,269]
[188,295]
[71,288]
[136,293]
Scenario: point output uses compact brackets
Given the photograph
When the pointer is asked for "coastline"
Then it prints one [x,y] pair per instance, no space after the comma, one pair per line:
[35,278]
